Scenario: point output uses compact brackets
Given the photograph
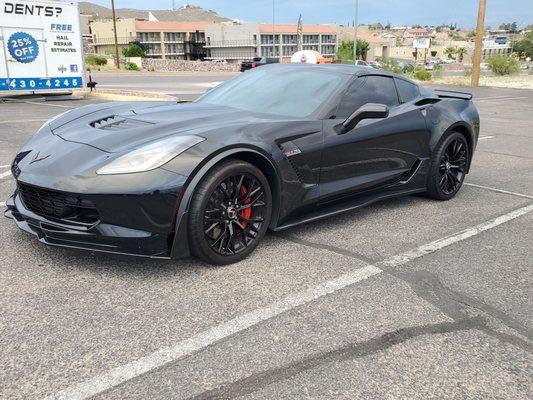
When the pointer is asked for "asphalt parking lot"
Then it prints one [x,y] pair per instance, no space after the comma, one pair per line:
[406,299]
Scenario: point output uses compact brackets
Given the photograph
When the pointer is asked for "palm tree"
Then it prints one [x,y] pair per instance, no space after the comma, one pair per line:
[450,51]
[362,48]
[461,52]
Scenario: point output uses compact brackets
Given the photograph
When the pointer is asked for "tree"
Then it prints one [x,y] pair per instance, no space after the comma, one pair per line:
[450,51]
[503,65]
[509,27]
[133,50]
[524,48]
[345,51]
[461,52]
[433,53]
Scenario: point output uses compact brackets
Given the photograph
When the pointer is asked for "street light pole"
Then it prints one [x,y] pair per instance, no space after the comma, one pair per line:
[117,60]
[478,49]
[356,23]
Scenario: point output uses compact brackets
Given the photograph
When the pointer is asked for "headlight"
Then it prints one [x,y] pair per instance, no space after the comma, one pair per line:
[151,156]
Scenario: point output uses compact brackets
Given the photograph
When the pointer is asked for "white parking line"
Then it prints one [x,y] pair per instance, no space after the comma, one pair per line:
[499,190]
[126,372]
[485,137]
[46,104]
[2,203]
[15,121]
[490,99]
[5,174]
[5,166]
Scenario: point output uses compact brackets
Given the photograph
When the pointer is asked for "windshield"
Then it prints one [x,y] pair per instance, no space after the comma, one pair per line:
[291,92]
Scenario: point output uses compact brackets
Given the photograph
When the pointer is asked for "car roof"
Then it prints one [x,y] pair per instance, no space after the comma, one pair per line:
[345,69]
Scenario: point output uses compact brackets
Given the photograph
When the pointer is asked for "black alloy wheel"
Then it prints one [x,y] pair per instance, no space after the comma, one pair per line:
[230,213]
[452,166]
[448,167]
[234,214]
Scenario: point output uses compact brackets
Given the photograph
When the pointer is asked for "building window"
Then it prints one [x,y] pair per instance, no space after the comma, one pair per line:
[174,36]
[310,38]
[269,39]
[290,39]
[147,37]
[270,51]
[328,49]
[328,39]
[311,47]
[289,50]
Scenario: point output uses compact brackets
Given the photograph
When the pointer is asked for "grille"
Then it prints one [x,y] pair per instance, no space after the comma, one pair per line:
[59,205]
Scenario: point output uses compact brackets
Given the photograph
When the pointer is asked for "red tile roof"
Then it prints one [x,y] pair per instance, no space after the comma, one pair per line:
[170,26]
[368,37]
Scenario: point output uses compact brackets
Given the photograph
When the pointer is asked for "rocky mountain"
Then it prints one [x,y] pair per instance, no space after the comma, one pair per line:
[185,13]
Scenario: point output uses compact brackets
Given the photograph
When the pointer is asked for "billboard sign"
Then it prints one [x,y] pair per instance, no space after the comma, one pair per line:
[421,43]
[41,47]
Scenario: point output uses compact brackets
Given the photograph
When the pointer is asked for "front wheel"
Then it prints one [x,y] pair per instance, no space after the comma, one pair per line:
[230,213]
[448,167]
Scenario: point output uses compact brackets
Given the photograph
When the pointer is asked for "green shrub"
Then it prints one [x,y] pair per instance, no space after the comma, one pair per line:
[503,65]
[131,66]
[133,50]
[93,59]
[422,75]
[391,65]
[437,72]
[468,71]
[408,68]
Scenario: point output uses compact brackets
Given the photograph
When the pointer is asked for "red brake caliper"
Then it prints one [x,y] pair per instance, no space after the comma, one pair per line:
[247,212]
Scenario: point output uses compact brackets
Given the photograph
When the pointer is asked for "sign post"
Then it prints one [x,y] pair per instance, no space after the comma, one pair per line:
[421,43]
[41,46]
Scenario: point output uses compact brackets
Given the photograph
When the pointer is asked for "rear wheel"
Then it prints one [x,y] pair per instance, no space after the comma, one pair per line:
[448,167]
[230,213]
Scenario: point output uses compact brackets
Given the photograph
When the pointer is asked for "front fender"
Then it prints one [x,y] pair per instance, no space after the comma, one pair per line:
[180,245]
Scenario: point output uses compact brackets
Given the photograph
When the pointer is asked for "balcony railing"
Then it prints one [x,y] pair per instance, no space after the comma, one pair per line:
[231,43]
[98,41]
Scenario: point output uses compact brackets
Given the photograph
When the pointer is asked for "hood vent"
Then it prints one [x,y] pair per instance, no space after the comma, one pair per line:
[117,123]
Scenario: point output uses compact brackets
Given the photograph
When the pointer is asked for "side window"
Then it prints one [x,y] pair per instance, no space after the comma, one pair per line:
[408,91]
[369,89]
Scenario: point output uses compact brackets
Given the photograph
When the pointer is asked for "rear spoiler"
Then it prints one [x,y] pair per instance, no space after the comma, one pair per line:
[450,94]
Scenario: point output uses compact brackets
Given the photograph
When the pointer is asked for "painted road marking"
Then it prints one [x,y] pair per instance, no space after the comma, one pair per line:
[143,365]
[46,104]
[485,137]
[5,166]
[5,174]
[499,190]
[490,99]
[2,203]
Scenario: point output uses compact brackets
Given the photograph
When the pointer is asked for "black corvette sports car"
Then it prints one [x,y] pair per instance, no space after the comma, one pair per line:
[274,147]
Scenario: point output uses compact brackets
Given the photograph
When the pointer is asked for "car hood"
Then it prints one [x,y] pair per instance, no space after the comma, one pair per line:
[117,127]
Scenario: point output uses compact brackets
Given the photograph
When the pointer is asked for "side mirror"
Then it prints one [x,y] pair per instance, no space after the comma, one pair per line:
[368,111]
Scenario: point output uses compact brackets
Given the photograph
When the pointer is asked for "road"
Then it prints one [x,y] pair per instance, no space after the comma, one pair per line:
[181,85]
[407,298]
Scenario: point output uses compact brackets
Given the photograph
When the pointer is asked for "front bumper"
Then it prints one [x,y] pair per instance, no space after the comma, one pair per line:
[104,236]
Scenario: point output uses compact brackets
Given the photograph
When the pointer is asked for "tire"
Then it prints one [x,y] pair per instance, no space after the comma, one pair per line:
[448,167]
[230,213]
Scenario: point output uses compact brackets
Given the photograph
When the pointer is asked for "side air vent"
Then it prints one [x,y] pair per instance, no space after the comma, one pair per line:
[116,123]
[289,149]
[426,101]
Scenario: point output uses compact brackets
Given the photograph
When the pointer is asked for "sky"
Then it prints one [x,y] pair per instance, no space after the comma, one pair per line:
[397,12]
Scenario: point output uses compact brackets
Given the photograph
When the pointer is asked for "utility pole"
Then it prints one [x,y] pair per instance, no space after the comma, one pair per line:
[478,49]
[356,23]
[117,59]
